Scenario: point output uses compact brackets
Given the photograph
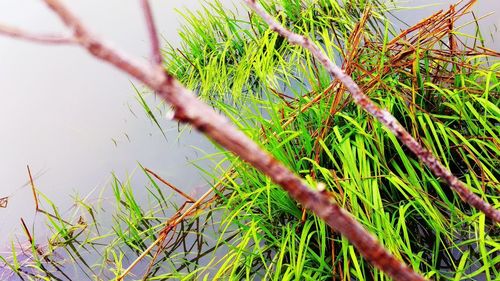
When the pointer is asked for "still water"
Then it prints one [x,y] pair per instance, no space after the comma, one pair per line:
[75,120]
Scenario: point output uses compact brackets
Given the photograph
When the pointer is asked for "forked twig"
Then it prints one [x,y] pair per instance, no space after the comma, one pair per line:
[37,201]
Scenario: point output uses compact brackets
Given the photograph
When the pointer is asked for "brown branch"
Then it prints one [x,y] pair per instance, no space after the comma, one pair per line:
[38,38]
[190,110]
[383,116]
[153,34]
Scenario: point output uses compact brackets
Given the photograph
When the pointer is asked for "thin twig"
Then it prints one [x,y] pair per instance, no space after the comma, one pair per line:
[153,34]
[28,234]
[190,199]
[32,184]
[38,38]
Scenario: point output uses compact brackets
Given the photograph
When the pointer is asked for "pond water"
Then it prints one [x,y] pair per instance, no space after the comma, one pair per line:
[75,120]
[70,116]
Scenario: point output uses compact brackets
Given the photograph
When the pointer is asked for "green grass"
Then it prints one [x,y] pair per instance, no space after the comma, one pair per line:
[278,95]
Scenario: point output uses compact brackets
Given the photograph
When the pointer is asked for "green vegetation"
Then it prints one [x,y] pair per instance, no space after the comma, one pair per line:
[444,92]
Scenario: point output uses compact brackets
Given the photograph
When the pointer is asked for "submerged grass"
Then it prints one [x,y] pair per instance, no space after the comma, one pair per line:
[444,91]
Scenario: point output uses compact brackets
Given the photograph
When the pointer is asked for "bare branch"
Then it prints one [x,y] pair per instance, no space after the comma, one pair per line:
[153,34]
[153,77]
[38,38]
[383,116]
[191,110]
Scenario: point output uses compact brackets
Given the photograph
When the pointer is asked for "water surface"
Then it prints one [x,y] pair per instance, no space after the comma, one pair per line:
[74,119]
